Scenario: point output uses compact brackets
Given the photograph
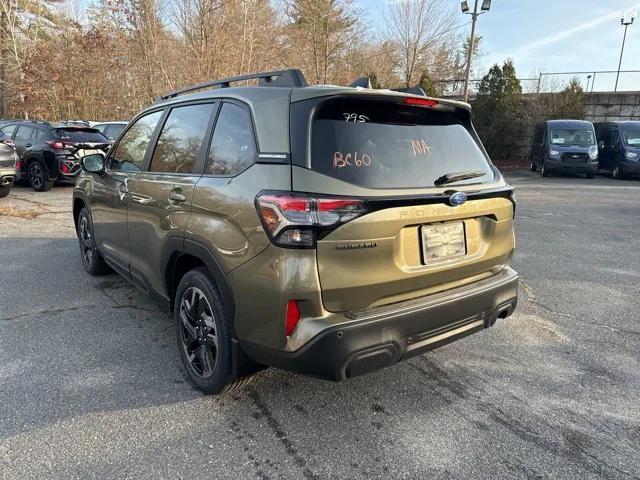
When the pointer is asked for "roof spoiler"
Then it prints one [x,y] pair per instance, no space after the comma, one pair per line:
[365,82]
[277,78]
[417,90]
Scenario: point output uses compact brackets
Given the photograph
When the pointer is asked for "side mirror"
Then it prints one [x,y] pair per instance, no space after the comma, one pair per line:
[93,163]
[601,144]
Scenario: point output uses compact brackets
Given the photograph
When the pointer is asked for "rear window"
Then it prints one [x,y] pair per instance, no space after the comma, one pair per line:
[383,144]
[81,135]
[572,137]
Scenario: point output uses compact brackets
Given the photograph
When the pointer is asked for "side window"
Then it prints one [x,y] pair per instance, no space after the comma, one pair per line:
[7,131]
[24,133]
[181,138]
[113,131]
[35,134]
[129,154]
[233,147]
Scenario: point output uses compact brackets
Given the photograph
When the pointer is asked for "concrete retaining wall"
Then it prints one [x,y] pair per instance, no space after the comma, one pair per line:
[599,107]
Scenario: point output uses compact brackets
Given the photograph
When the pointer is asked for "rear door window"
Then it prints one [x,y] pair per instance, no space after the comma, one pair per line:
[23,134]
[233,146]
[181,139]
[386,144]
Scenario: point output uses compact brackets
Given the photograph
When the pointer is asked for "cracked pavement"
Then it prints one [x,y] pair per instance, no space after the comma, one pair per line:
[91,385]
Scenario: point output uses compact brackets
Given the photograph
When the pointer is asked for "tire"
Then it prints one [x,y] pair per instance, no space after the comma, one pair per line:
[544,171]
[590,175]
[203,334]
[617,172]
[4,191]
[533,167]
[92,261]
[39,176]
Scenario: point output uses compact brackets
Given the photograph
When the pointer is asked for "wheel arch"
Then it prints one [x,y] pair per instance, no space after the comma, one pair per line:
[78,204]
[192,255]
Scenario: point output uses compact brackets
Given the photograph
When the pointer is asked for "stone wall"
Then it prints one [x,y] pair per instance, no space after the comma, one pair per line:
[612,107]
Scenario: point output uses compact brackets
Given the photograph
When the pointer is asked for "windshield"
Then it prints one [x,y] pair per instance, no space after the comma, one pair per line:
[383,144]
[572,137]
[81,135]
[632,138]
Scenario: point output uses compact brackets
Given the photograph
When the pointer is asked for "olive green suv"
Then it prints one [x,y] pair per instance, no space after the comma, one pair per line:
[325,230]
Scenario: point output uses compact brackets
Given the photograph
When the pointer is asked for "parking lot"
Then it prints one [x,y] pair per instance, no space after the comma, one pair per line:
[91,385]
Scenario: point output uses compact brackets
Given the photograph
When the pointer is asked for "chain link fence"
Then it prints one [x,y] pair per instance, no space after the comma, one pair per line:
[549,82]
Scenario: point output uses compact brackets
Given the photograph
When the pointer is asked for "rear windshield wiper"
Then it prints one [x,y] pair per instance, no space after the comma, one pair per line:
[456,176]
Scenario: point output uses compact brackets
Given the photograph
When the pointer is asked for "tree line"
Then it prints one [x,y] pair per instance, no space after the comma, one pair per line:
[110,60]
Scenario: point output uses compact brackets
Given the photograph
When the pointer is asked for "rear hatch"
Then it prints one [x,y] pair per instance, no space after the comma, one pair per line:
[409,237]
[72,136]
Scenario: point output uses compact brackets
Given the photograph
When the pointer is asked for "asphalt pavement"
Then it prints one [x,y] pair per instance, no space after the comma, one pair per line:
[91,385]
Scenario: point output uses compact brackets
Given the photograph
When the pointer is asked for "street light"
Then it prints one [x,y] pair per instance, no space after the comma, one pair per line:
[588,78]
[464,6]
[625,23]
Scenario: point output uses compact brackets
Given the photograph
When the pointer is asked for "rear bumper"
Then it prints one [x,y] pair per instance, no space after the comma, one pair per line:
[382,336]
[7,180]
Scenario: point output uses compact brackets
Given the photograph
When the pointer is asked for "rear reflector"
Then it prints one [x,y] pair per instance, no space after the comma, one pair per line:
[421,102]
[292,317]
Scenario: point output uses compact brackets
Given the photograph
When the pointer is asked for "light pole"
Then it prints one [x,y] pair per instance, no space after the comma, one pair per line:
[486,5]
[625,23]
[588,78]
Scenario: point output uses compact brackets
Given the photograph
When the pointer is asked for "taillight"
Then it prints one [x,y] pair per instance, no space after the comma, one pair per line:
[9,142]
[18,165]
[64,168]
[420,102]
[56,144]
[292,317]
[297,220]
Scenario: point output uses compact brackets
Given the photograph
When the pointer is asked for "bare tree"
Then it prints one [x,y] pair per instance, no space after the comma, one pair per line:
[321,32]
[417,28]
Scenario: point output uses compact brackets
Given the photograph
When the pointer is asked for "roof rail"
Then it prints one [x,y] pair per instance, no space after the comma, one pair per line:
[276,78]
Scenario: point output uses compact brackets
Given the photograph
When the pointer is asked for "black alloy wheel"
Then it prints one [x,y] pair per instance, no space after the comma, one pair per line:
[36,175]
[198,332]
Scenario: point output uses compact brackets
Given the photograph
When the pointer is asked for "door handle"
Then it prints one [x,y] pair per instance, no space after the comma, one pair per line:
[176,196]
[28,145]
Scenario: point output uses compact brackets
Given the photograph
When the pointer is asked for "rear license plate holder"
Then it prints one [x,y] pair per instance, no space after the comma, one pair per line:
[443,241]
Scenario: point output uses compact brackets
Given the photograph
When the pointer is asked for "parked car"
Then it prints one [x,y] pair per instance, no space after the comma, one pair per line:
[619,147]
[46,150]
[567,146]
[8,174]
[111,129]
[329,231]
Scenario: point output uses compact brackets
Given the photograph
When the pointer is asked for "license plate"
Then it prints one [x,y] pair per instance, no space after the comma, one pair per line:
[443,240]
[84,152]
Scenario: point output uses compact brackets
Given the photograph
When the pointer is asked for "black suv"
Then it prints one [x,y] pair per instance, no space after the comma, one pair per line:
[46,150]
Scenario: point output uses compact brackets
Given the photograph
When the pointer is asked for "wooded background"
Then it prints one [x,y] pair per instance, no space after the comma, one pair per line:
[108,61]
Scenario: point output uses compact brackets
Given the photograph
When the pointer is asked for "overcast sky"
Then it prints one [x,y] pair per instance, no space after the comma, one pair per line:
[552,36]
